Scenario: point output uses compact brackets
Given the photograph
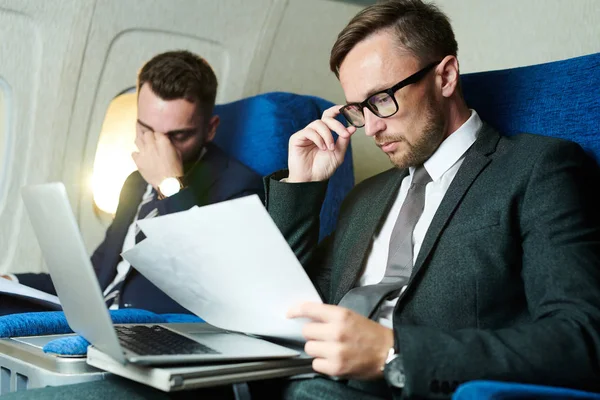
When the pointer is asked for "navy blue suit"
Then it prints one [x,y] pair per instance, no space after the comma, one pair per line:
[216,178]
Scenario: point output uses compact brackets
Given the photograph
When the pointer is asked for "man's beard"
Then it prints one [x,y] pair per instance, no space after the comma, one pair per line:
[423,147]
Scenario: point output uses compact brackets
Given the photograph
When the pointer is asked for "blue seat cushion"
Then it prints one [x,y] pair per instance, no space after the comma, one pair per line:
[55,322]
[67,346]
[476,390]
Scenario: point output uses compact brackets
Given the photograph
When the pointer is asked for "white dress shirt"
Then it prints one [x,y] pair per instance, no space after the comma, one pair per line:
[124,266]
[442,166]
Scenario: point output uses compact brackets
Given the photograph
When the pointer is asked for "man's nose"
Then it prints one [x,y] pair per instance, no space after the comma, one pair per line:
[373,123]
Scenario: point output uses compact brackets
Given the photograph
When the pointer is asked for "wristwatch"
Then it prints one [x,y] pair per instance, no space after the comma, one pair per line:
[169,186]
[393,369]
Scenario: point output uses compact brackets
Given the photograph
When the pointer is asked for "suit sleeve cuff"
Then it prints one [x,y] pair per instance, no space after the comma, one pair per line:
[305,195]
[182,201]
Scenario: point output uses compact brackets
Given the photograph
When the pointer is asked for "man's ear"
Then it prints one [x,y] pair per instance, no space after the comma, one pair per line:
[449,73]
[212,127]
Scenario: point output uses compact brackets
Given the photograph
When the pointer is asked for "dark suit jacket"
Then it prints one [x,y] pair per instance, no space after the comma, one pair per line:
[507,283]
[216,178]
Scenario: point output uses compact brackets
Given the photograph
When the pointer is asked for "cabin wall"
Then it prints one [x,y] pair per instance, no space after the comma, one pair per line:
[63,61]
[41,51]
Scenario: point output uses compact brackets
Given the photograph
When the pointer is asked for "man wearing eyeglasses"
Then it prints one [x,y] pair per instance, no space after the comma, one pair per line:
[473,258]
[476,257]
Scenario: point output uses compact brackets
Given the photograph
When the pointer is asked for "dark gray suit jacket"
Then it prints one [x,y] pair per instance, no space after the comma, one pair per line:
[507,283]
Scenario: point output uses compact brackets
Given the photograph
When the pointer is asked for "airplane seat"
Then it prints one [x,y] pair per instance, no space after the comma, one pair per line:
[256,131]
[559,99]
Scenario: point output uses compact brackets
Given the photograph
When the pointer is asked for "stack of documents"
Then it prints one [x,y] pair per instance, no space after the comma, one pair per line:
[229,264]
[37,296]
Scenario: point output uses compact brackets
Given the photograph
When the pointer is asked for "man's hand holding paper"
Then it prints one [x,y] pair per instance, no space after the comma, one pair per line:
[229,264]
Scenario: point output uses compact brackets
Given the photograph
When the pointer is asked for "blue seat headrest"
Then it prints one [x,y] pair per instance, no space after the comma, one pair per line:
[256,131]
[559,99]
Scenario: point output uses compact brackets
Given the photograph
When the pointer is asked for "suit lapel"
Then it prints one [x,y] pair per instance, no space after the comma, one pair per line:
[360,236]
[476,159]
[207,172]
[130,198]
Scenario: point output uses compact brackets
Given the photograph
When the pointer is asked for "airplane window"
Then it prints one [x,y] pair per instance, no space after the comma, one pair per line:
[113,162]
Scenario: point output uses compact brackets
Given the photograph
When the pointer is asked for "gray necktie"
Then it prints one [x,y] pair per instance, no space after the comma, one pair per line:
[366,299]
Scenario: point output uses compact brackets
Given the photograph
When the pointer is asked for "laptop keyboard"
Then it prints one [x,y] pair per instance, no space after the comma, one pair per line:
[155,341]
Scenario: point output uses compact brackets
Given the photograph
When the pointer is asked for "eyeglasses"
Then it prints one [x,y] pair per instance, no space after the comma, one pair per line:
[383,104]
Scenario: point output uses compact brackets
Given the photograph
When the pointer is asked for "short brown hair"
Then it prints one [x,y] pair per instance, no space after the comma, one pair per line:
[181,75]
[420,28]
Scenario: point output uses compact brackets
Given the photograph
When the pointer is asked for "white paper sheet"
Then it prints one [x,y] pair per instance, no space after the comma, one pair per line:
[227,263]
[17,289]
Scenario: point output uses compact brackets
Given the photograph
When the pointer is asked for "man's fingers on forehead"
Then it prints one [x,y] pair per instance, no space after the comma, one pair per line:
[161,137]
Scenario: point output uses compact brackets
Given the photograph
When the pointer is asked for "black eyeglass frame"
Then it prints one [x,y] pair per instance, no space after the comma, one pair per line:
[414,78]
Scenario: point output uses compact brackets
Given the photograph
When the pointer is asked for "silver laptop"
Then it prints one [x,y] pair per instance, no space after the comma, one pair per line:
[86,312]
